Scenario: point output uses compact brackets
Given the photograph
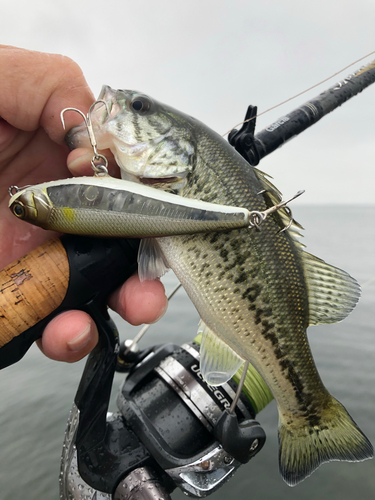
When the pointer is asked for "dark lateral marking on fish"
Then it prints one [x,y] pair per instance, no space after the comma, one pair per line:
[157,125]
[198,185]
[267,332]
[230,266]
[267,311]
[224,254]
[214,237]
[251,292]
[137,129]
[258,316]
[241,278]
[315,420]
[241,260]
[304,400]
[236,244]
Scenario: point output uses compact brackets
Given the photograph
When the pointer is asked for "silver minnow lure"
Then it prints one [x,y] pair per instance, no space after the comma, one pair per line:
[105,206]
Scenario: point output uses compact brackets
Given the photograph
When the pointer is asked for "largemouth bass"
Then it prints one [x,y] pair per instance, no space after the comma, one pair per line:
[256,291]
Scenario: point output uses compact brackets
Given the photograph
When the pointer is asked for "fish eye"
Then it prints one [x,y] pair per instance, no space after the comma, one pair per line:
[141,104]
[19,210]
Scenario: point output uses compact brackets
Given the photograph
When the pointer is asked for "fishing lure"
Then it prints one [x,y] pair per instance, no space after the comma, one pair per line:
[105,206]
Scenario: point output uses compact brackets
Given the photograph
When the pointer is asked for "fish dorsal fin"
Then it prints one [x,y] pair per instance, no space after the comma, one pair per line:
[332,292]
[272,196]
[218,362]
[151,261]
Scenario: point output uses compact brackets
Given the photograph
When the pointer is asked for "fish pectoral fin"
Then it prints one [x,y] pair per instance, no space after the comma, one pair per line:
[218,362]
[332,292]
[151,261]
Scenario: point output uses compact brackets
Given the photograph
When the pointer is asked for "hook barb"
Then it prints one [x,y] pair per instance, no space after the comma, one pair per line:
[71,109]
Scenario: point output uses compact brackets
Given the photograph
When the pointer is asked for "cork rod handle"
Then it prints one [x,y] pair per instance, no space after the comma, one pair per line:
[31,288]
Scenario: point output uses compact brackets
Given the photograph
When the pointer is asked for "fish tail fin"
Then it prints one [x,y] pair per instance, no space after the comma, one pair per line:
[332,436]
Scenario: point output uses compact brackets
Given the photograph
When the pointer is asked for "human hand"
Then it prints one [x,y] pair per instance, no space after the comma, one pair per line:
[34,88]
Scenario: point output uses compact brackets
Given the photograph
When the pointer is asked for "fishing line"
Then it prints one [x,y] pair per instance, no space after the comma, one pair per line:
[254,388]
[144,329]
[303,92]
[368,282]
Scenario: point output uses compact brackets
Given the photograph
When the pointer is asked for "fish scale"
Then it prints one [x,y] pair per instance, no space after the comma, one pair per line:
[256,292]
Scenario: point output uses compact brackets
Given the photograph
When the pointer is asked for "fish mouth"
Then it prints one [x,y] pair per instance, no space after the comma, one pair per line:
[77,137]
[107,94]
[159,181]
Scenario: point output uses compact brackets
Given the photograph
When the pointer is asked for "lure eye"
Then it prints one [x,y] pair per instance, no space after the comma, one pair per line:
[141,104]
[19,210]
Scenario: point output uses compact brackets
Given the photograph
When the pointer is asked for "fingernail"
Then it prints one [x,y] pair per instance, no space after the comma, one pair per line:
[81,161]
[81,340]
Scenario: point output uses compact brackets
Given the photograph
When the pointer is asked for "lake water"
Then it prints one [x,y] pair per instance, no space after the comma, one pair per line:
[36,394]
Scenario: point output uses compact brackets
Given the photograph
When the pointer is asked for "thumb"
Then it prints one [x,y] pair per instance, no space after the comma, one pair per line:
[69,337]
[36,86]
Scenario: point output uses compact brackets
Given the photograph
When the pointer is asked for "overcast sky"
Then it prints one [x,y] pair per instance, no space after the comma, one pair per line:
[212,58]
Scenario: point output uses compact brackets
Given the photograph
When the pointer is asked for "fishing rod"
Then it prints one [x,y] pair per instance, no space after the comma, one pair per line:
[255,147]
[135,450]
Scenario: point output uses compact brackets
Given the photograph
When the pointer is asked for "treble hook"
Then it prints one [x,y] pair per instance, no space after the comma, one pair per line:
[98,169]
[256,218]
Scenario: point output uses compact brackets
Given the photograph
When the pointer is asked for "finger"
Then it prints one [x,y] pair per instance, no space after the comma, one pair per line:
[69,337]
[140,302]
[7,134]
[35,87]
